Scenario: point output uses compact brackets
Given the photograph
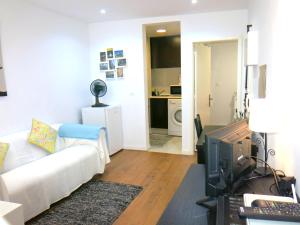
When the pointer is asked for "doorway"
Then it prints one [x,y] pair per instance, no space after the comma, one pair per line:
[163,69]
[216,81]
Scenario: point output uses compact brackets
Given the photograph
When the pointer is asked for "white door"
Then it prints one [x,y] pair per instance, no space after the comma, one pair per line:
[202,81]
[224,61]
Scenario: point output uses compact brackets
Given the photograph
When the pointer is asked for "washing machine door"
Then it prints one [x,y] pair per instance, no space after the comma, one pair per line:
[177,117]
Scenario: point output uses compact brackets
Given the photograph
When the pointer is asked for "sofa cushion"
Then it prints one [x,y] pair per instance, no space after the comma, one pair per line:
[43,136]
[3,150]
[81,131]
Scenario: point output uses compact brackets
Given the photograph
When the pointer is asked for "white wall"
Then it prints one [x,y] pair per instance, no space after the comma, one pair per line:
[162,78]
[45,56]
[131,92]
[277,23]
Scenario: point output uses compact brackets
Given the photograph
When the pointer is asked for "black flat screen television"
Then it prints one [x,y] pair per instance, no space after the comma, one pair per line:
[228,157]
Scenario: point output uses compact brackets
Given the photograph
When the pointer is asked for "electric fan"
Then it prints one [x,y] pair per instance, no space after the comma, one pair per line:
[98,89]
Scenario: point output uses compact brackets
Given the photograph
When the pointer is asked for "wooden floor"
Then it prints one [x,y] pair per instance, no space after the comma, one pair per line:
[159,174]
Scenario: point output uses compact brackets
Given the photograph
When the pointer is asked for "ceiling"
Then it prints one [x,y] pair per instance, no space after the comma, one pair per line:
[172,28]
[89,10]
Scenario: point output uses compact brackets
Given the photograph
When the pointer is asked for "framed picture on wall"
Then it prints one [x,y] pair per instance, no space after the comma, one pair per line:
[102,56]
[119,54]
[112,65]
[3,91]
[122,62]
[110,74]
[110,53]
[120,72]
[262,85]
[103,66]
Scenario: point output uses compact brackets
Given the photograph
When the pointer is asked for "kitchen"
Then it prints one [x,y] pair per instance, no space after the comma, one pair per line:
[164,87]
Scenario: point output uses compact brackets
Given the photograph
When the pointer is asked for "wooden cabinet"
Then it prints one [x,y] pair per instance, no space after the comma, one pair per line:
[165,52]
[159,113]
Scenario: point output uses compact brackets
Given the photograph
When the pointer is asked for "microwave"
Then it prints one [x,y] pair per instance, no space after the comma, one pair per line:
[175,89]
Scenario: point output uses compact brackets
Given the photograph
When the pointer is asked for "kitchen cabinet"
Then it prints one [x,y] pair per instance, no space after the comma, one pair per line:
[159,112]
[165,52]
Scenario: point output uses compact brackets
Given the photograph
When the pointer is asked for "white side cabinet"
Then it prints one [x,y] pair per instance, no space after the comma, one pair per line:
[111,118]
[11,213]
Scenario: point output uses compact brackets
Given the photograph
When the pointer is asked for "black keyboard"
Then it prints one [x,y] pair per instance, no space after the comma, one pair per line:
[227,210]
[281,211]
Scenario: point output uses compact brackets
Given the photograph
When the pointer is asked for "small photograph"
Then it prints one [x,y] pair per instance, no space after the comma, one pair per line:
[120,72]
[112,65]
[102,56]
[110,53]
[3,91]
[119,54]
[103,66]
[121,62]
[110,74]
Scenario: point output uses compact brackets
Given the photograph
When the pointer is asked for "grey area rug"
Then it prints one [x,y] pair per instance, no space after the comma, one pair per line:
[94,203]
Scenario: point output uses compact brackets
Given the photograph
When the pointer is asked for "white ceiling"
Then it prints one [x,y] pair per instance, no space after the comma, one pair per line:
[88,10]
[172,28]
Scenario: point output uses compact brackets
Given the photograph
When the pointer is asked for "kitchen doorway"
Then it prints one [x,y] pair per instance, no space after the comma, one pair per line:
[217,81]
[163,69]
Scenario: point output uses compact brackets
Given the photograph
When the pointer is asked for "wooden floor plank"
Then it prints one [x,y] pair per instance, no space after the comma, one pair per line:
[158,173]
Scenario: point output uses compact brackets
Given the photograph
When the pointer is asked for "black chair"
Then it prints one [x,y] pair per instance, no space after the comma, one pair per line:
[198,125]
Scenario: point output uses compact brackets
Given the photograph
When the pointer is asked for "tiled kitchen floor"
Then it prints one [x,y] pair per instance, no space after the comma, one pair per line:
[165,143]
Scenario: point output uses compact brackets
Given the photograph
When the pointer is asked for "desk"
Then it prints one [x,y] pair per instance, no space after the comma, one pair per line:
[201,140]
[182,209]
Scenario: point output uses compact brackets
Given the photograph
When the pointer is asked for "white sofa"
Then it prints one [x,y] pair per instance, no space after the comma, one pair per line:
[36,179]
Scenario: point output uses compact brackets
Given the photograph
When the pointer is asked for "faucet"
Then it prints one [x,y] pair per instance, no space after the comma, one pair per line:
[160,92]
[156,92]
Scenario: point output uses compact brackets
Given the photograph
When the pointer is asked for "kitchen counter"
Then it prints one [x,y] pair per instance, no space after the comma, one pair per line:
[166,96]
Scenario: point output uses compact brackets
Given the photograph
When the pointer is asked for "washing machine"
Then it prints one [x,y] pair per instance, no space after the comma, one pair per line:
[174,117]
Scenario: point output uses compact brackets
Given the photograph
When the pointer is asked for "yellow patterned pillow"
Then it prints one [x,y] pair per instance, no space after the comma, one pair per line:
[43,136]
[3,150]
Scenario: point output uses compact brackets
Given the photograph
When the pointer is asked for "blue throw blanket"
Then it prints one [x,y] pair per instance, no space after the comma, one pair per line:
[80,131]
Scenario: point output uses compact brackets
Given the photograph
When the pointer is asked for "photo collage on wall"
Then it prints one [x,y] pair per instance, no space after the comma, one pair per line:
[112,63]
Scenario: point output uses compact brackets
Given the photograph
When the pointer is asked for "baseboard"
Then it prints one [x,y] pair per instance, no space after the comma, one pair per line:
[141,148]
[187,152]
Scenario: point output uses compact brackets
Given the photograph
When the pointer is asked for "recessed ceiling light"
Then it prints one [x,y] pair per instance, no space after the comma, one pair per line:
[194,1]
[102,11]
[161,30]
